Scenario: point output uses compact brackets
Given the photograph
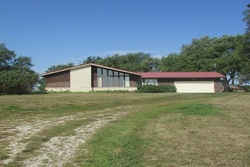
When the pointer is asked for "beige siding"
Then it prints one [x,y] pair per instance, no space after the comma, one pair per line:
[80,79]
[194,86]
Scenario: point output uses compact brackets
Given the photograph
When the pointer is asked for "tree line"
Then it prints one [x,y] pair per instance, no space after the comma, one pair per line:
[228,55]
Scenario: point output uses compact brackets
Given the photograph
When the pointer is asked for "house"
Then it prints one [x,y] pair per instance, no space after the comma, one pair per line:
[94,77]
[90,77]
[186,82]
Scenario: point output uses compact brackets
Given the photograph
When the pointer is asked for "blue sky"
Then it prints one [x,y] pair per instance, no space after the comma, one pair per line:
[54,32]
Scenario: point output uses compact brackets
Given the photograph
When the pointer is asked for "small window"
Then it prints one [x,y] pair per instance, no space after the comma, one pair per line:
[151,81]
[99,72]
[110,73]
[104,72]
[127,81]
[121,74]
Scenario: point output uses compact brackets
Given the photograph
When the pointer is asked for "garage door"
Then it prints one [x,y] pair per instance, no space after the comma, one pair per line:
[194,86]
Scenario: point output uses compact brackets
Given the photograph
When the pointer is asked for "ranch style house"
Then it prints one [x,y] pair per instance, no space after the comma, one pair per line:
[94,77]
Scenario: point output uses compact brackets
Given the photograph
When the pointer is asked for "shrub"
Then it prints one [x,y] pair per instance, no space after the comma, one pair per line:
[247,88]
[156,88]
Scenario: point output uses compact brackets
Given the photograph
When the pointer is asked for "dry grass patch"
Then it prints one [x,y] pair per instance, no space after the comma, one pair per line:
[222,139]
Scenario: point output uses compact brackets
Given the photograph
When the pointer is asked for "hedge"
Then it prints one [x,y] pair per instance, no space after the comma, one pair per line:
[247,88]
[156,88]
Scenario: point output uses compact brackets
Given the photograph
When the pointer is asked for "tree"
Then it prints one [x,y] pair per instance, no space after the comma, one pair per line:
[244,75]
[59,67]
[223,55]
[139,62]
[91,59]
[16,76]
[246,13]
[6,57]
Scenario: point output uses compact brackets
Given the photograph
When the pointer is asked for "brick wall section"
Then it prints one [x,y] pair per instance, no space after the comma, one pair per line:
[218,87]
[61,79]
[94,77]
[133,79]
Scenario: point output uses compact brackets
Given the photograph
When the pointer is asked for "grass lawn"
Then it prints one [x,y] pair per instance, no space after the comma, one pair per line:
[125,129]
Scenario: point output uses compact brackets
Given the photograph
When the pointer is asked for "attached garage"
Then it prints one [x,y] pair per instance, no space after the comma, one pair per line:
[194,86]
[186,82]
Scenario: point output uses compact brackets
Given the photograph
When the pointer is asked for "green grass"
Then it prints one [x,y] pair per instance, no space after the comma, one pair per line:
[123,144]
[173,134]
[197,109]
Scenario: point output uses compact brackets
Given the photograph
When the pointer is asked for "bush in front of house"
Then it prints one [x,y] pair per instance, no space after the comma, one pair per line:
[247,88]
[156,88]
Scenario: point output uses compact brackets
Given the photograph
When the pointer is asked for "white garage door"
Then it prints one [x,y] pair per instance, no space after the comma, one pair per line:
[194,86]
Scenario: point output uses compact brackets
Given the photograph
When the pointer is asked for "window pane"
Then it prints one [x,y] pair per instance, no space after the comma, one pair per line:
[150,81]
[115,74]
[121,74]
[110,73]
[121,82]
[104,72]
[110,81]
[99,72]
[105,82]
[116,82]
[99,81]
[127,82]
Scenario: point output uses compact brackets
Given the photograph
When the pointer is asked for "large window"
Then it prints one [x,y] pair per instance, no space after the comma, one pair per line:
[111,78]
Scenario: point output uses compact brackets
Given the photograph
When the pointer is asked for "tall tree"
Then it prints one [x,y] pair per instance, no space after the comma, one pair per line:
[223,55]
[91,59]
[59,67]
[16,76]
[244,75]
[246,13]
[6,57]
[138,62]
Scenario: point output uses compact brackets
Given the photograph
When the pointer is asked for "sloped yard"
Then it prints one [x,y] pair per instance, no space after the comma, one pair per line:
[125,129]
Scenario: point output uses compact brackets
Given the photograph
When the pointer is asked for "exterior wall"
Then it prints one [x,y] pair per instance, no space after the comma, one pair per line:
[56,80]
[133,79]
[218,87]
[165,82]
[80,79]
[194,86]
[94,76]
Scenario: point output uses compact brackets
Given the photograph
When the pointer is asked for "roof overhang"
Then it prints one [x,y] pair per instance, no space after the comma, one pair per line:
[180,75]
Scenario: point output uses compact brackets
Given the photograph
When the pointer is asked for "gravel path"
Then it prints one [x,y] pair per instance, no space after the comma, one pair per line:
[60,149]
